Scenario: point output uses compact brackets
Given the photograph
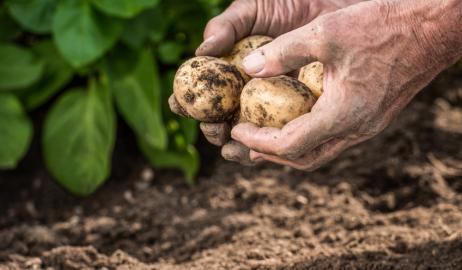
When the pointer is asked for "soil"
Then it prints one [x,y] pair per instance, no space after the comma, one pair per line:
[394,202]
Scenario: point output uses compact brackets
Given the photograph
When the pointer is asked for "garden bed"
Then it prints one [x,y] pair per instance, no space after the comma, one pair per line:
[394,202]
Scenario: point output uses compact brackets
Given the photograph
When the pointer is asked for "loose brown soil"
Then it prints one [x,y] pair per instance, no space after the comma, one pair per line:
[392,203]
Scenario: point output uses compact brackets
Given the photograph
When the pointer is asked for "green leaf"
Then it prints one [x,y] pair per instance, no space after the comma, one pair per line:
[33,15]
[9,30]
[15,131]
[167,83]
[150,24]
[57,74]
[19,68]
[170,52]
[124,8]
[189,129]
[78,139]
[81,34]
[187,160]
[122,60]
[138,98]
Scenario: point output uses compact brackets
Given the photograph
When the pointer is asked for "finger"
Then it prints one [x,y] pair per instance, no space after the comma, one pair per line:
[223,31]
[297,137]
[313,160]
[237,152]
[216,133]
[175,107]
[288,52]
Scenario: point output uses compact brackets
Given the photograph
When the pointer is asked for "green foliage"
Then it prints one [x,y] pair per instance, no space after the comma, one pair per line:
[138,97]
[102,57]
[82,34]
[33,15]
[9,29]
[78,137]
[15,131]
[19,67]
[56,75]
[124,8]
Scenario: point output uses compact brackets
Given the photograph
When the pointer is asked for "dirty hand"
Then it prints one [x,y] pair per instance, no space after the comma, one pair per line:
[251,17]
[377,56]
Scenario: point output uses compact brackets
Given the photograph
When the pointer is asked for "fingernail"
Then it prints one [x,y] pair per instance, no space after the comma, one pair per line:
[206,44]
[254,63]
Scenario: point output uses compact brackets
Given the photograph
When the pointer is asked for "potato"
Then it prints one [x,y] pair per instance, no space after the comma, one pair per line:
[208,88]
[273,102]
[312,76]
[243,48]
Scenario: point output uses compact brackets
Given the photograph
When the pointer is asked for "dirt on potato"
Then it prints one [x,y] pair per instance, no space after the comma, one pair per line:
[394,202]
[208,88]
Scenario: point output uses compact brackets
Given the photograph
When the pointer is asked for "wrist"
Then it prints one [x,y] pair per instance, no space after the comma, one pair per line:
[437,27]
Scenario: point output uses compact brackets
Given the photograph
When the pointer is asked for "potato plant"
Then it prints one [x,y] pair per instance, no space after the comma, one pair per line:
[87,62]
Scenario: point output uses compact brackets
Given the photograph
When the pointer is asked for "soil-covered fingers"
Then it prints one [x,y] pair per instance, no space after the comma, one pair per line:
[224,30]
[289,52]
[176,108]
[216,133]
[296,138]
[312,160]
[237,152]
[261,17]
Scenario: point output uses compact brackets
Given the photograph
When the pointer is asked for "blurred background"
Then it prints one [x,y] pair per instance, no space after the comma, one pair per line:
[70,71]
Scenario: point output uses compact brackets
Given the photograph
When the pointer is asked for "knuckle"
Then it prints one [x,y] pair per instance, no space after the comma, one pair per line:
[322,30]
[214,22]
[326,38]
[292,53]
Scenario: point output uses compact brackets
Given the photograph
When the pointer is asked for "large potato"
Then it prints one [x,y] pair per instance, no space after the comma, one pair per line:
[208,88]
[312,76]
[273,102]
[243,48]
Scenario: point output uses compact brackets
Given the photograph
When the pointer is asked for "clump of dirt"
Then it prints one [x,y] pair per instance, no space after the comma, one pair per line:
[394,202]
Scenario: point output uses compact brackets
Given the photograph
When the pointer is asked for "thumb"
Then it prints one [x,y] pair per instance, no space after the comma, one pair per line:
[224,30]
[288,52]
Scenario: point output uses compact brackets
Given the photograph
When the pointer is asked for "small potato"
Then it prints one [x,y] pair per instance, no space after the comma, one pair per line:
[273,102]
[208,88]
[312,76]
[243,48]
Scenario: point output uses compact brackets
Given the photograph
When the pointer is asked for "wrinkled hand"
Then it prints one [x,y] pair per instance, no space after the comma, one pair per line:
[251,17]
[377,56]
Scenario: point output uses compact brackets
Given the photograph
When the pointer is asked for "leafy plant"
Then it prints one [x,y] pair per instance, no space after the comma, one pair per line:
[87,61]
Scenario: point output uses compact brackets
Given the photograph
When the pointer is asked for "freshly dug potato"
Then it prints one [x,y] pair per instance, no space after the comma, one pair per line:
[243,48]
[273,102]
[208,88]
[312,76]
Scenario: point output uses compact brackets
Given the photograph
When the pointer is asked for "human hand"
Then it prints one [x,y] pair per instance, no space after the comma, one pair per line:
[377,56]
[252,17]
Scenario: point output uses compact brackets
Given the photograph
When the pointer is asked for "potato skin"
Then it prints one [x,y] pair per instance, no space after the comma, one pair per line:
[208,88]
[273,102]
[312,76]
[243,48]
